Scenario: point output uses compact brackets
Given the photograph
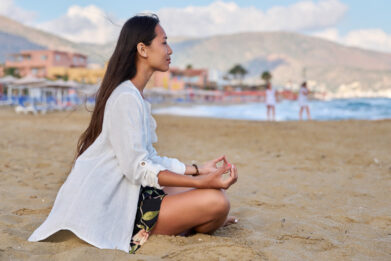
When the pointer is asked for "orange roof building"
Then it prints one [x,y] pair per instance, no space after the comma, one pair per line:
[37,62]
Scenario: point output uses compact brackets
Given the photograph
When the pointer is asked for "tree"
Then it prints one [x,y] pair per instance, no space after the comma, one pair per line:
[238,72]
[11,71]
[266,76]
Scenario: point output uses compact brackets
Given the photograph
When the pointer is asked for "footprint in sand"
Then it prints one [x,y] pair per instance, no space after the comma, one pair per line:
[315,244]
[343,219]
[266,205]
[380,222]
[225,251]
[26,211]
[42,165]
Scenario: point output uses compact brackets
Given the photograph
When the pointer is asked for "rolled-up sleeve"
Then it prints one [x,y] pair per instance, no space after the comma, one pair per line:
[127,137]
[171,164]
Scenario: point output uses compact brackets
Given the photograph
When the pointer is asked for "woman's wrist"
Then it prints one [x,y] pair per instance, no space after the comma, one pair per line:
[197,172]
[192,169]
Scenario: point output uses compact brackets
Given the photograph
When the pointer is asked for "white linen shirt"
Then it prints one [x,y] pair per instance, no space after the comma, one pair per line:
[98,201]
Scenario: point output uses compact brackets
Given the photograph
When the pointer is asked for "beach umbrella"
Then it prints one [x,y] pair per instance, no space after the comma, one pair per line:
[7,79]
[29,81]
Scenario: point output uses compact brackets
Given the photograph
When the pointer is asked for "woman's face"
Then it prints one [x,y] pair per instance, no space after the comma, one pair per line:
[159,51]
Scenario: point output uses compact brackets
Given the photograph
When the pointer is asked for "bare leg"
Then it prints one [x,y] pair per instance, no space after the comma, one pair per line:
[301,112]
[176,190]
[308,112]
[268,112]
[273,112]
[203,210]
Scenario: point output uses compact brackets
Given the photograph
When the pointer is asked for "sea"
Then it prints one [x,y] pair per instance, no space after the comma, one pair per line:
[331,110]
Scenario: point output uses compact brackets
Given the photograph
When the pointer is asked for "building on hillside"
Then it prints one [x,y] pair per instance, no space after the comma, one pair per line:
[1,70]
[179,79]
[54,65]
[77,74]
[37,62]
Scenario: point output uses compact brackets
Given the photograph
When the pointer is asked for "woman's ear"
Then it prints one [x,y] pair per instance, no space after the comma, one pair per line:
[142,50]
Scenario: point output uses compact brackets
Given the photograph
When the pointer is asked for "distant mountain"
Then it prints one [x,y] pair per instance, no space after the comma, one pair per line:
[11,43]
[12,29]
[291,57]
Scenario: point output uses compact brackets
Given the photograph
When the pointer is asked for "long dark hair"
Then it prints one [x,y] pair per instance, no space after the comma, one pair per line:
[121,67]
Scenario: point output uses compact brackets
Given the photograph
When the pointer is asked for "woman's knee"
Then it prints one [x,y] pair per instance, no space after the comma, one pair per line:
[217,202]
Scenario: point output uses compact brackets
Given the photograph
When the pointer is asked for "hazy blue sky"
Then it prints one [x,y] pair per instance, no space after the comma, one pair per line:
[360,23]
[361,14]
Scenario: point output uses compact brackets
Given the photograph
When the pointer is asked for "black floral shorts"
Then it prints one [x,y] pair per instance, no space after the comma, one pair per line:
[148,208]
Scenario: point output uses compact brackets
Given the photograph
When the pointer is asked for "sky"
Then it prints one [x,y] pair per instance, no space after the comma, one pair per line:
[359,23]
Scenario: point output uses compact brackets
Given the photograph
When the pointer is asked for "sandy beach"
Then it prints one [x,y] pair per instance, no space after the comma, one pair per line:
[306,190]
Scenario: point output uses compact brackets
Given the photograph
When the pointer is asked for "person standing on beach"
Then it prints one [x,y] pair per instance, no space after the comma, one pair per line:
[303,101]
[270,102]
[120,190]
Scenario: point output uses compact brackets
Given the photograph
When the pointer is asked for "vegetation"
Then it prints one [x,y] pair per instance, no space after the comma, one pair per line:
[238,72]
[11,71]
[266,76]
[63,77]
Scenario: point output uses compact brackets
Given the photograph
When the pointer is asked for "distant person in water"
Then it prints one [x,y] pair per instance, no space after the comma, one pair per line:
[303,101]
[270,102]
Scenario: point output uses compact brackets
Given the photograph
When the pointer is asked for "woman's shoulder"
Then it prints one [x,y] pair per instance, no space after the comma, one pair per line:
[125,90]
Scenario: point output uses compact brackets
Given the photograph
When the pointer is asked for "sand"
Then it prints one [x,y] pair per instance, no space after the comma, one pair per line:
[306,190]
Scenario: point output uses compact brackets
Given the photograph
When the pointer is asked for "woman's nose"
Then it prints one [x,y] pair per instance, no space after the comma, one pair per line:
[169,50]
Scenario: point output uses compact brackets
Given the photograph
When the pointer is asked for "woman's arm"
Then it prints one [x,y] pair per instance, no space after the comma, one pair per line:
[213,180]
[126,135]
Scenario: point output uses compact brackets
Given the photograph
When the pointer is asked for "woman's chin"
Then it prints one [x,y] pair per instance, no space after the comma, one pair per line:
[163,68]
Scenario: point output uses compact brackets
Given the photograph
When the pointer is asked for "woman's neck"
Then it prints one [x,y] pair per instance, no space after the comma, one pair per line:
[141,78]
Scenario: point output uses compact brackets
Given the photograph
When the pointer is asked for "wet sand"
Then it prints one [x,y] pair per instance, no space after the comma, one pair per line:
[306,190]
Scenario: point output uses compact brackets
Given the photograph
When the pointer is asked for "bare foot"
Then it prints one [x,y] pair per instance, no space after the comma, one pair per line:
[230,220]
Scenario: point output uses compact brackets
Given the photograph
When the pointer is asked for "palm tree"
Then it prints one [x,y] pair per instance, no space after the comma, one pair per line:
[266,76]
[238,72]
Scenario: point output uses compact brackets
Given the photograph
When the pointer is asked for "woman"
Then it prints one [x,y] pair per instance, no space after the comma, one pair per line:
[303,101]
[270,102]
[114,198]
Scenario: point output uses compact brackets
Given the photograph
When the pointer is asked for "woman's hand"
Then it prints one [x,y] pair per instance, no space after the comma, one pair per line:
[215,179]
[211,166]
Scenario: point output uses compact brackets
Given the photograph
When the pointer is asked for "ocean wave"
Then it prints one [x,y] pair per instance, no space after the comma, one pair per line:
[340,109]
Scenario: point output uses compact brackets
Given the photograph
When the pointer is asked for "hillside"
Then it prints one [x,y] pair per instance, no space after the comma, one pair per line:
[96,53]
[291,57]
[10,43]
[329,65]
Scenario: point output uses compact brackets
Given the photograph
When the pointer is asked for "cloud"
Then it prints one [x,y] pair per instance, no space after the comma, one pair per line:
[9,9]
[374,39]
[227,17]
[91,24]
[88,24]
[331,34]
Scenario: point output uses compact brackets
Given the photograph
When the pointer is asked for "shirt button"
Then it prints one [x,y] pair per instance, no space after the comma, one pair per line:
[142,163]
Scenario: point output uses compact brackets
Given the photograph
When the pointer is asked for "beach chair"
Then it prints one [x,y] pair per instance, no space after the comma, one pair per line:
[26,109]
